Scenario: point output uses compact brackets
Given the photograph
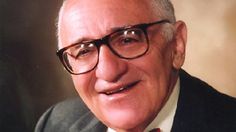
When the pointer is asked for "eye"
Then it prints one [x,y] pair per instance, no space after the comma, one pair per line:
[127,37]
[83,51]
[128,40]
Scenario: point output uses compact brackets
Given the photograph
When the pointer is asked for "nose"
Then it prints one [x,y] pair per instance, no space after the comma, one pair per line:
[110,67]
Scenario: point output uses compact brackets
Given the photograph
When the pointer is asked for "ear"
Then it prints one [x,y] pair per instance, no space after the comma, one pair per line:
[179,44]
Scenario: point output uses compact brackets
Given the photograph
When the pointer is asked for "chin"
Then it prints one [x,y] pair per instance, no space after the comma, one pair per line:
[125,119]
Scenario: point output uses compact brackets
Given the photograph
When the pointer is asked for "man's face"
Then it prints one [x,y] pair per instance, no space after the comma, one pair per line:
[148,79]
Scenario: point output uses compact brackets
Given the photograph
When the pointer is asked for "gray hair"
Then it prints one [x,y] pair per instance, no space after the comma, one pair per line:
[164,8]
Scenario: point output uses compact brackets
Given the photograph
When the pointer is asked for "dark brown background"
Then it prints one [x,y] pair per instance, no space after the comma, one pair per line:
[32,79]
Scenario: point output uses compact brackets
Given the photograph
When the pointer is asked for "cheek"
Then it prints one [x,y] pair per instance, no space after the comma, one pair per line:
[84,85]
[157,63]
[156,69]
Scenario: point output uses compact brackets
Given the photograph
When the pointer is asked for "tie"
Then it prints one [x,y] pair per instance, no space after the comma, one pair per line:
[156,130]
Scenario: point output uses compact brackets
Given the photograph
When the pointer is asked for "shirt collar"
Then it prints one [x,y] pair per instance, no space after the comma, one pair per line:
[165,117]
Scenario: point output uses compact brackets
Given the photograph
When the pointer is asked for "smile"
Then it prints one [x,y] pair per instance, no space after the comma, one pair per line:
[124,88]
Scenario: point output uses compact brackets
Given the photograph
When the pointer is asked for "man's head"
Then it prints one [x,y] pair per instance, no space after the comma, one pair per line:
[130,73]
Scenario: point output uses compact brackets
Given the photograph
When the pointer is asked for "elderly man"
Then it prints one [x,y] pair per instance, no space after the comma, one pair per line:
[125,58]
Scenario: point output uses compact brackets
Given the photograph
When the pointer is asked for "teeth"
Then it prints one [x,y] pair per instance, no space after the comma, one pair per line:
[111,92]
[122,88]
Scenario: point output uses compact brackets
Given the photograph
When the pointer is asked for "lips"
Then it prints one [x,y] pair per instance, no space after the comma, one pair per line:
[120,89]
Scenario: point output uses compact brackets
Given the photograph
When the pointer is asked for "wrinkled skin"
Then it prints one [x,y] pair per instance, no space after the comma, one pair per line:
[156,72]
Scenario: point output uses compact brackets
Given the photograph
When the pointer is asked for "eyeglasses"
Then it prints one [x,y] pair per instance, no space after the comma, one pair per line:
[127,43]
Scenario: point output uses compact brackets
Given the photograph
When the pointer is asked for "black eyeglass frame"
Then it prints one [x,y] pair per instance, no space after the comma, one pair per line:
[105,40]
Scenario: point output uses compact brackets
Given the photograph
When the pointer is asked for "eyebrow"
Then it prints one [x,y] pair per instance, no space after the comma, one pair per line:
[114,29]
[80,40]
[88,39]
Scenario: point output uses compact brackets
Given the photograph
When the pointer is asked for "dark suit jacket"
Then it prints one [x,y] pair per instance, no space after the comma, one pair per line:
[200,109]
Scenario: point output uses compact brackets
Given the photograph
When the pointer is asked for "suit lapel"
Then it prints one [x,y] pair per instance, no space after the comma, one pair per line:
[190,113]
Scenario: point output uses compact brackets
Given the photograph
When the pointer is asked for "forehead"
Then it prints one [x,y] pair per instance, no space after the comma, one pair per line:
[95,18]
[125,5]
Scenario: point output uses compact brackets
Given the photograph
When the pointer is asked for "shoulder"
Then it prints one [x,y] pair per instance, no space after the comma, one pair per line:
[191,84]
[203,107]
[62,116]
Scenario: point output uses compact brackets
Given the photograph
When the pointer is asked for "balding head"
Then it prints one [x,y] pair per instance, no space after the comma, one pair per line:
[160,8]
